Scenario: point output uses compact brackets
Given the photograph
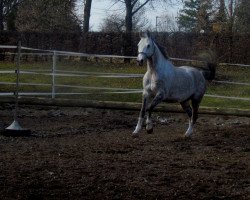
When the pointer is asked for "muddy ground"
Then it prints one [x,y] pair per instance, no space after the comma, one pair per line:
[77,153]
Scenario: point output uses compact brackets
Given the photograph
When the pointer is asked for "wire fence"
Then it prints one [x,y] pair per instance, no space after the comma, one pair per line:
[51,74]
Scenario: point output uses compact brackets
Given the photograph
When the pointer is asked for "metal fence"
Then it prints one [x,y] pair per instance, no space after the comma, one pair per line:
[52,72]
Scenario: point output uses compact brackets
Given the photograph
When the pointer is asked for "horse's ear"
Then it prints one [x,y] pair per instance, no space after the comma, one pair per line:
[143,34]
[148,34]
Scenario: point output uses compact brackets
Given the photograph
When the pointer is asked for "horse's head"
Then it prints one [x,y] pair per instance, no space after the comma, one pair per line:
[146,48]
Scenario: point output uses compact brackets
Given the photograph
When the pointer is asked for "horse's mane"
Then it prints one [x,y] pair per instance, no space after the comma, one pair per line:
[162,50]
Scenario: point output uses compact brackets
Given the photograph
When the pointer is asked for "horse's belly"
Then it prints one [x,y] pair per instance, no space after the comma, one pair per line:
[180,95]
[170,101]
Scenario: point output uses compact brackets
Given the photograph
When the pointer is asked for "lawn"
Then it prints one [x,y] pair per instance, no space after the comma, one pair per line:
[224,73]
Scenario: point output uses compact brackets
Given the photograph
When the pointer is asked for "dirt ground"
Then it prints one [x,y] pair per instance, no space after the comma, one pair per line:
[79,153]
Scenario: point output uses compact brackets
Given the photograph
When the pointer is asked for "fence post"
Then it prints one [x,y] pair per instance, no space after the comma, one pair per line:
[15,128]
[53,92]
[17,78]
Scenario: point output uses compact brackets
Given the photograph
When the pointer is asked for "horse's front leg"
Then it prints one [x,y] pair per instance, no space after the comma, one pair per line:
[141,116]
[157,99]
[149,123]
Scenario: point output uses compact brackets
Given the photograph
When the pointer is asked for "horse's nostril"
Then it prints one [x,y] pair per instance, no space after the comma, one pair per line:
[140,62]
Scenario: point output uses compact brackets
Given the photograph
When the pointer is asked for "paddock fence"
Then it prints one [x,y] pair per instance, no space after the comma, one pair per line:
[53,74]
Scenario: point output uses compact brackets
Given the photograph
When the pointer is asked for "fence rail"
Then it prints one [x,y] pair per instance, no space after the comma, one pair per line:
[93,74]
[63,73]
[68,53]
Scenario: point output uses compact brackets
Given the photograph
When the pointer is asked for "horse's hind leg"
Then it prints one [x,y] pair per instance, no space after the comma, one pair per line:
[194,117]
[187,108]
[195,106]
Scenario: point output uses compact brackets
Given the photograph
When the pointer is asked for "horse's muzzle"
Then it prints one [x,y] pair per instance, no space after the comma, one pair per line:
[140,62]
[141,58]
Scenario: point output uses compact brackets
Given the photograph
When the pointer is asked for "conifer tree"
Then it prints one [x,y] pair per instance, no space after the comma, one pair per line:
[195,16]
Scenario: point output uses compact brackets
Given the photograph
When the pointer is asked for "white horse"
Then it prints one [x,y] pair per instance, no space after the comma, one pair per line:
[165,82]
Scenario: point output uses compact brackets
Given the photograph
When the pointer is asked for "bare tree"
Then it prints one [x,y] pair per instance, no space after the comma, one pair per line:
[133,7]
[242,24]
[113,23]
[221,15]
[166,23]
[230,13]
[47,16]
[116,22]
[8,10]
[1,16]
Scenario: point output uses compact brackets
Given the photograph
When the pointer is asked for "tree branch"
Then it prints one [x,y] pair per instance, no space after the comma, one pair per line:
[136,10]
[134,2]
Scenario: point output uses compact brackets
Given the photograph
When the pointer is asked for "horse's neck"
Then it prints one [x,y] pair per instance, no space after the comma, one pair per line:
[158,63]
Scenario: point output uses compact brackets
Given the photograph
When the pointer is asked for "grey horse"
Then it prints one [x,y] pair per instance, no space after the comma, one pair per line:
[163,82]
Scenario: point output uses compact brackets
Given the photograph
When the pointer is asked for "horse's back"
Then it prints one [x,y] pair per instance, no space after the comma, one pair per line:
[190,81]
[193,73]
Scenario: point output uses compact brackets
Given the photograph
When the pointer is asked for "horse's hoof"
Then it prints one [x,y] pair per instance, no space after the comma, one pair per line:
[135,135]
[188,135]
[150,128]
[150,131]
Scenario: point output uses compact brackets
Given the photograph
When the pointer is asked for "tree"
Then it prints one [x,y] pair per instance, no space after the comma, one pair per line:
[243,17]
[221,14]
[166,23]
[187,19]
[86,15]
[47,16]
[1,16]
[132,7]
[116,22]
[8,10]
[113,23]
[195,16]
[204,16]
[233,15]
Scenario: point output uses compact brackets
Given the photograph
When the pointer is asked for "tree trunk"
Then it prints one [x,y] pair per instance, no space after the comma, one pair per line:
[1,16]
[129,28]
[128,20]
[87,9]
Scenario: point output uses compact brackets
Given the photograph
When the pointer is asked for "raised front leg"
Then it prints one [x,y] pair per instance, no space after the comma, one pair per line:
[141,116]
[149,123]
[158,99]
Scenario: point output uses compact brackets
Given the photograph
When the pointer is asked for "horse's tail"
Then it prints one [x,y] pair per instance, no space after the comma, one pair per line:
[210,73]
[210,58]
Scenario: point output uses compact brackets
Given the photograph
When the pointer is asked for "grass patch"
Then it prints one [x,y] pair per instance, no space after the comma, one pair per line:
[225,103]
[229,73]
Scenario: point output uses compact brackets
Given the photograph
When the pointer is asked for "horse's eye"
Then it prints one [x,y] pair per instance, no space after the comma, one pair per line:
[148,46]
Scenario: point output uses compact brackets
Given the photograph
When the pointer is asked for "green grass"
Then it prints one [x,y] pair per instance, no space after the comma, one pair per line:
[236,74]
[225,103]
[229,90]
